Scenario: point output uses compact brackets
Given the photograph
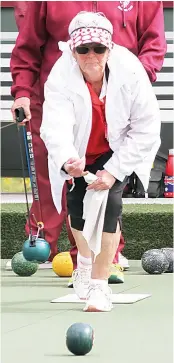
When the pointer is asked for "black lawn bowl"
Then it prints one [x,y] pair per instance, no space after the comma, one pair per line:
[169,252]
[154,262]
[79,338]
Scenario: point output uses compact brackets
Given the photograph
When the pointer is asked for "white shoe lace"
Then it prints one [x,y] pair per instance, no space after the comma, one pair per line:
[81,279]
[82,276]
[97,289]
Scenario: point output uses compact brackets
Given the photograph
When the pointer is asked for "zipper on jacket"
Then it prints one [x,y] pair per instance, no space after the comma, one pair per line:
[94,6]
[124,18]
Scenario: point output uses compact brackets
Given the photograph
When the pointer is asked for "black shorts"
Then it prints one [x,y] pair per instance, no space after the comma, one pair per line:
[114,204]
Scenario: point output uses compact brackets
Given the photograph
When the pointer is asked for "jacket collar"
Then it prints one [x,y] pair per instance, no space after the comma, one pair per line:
[118,74]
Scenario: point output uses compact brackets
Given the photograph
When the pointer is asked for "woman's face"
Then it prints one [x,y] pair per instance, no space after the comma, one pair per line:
[92,59]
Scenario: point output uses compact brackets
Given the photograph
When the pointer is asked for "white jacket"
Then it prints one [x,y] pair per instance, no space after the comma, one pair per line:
[132,116]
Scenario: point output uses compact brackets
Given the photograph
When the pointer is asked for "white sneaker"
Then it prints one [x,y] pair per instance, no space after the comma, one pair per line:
[123,261]
[99,299]
[8,265]
[81,279]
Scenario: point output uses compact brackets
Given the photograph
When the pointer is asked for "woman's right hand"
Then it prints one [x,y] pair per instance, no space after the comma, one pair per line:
[23,102]
[75,167]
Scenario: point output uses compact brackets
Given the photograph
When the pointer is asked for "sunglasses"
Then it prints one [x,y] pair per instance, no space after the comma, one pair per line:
[96,49]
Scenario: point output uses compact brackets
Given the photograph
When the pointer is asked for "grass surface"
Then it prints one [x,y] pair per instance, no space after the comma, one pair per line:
[127,208]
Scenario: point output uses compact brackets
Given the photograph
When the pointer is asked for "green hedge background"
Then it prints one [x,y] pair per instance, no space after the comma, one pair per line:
[144,227]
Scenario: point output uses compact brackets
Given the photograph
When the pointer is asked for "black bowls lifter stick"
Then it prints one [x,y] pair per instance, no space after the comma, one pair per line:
[20,116]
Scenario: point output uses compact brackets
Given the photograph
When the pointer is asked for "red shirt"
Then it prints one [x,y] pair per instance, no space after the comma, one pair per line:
[97,144]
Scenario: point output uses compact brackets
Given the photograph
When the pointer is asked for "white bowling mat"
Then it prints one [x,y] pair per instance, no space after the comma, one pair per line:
[116,298]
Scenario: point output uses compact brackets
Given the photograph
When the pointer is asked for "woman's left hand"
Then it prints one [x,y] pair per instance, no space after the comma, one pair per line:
[105,181]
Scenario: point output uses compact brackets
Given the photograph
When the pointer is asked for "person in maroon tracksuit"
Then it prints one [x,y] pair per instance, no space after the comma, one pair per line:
[138,25]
